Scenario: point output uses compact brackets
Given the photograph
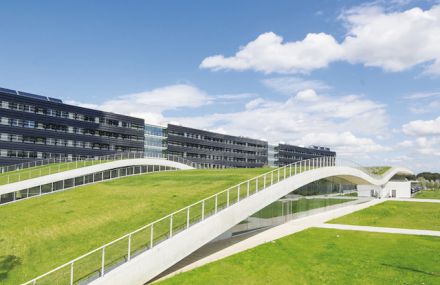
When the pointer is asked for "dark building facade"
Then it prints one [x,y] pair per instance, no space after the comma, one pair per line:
[215,150]
[37,127]
[286,154]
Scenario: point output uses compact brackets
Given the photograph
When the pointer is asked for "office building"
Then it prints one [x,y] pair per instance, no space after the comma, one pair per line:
[38,127]
[215,150]
[284,154]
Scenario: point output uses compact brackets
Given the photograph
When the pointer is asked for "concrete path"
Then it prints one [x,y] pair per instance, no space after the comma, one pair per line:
[381,230]
[227,248]
[417,200]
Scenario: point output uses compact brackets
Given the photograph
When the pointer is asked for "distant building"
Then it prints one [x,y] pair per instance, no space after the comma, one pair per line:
[392,189]
[216,150]
[38,127]
[284,154]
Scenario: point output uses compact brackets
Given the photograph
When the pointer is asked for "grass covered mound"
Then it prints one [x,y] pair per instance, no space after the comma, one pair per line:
[42,233]
[396,214]
[326,256]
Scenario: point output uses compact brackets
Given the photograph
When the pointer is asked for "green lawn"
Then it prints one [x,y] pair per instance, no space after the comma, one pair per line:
[395,214]
[326,256]
[42,233]
[276,209]
[37,171]
[353,194]
[378,170]
[428,194]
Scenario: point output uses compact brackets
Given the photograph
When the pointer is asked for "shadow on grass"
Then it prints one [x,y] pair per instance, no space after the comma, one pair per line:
[412,269]
[7,263]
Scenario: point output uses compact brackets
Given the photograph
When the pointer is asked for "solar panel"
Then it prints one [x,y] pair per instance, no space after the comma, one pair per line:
[34,96]
[55,100]
[9,91]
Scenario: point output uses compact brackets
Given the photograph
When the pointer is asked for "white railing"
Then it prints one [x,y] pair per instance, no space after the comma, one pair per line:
[52,166]
[100,261]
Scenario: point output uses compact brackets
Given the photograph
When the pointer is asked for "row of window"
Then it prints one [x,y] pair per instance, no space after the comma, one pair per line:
[310,152]
[220,158]
[57,142]
[220,149]
[67,115]
[219,140]
[67,129]
[44,155]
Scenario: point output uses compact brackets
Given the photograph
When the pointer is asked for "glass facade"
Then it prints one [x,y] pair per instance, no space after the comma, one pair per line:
[271,155]
[155,140]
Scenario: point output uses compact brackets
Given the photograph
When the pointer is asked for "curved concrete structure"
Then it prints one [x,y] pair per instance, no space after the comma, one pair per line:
[152,262]
[35,182]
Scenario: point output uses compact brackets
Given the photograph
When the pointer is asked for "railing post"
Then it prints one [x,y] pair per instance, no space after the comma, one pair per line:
[187,217]
[271,178]
[256,185]
[151,235]
[71,273]
[216,203]
[284,172]
[203,210]
[295,166]
[290,169]
[264,181]
[238,193]
[129,248]
[300,166]
[227,198]
[103,262]
[171,225]
[248,186]
[278,175]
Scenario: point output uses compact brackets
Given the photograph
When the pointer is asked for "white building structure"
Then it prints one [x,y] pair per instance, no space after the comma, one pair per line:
[392,189]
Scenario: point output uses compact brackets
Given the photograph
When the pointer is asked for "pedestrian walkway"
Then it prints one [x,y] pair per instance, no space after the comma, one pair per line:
[417,200]
[381,230]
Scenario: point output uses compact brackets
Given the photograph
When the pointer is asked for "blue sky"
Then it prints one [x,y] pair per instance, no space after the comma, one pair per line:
[360,77]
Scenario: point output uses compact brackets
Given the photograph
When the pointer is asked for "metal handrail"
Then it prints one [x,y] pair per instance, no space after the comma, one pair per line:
[269,178]
[79,163]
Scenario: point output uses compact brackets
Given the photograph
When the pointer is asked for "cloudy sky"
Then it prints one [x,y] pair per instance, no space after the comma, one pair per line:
[360,77]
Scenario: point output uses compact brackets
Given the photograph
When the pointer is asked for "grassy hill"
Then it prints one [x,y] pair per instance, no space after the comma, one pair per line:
[42,233]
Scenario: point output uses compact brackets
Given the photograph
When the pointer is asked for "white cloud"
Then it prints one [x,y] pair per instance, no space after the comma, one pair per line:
[269,54]
[307,95]
[150,105]
[422,95]
[422,128]
[428,146]
[305,118]
[345,143]
[423,102]
[394,41]
[405,144]
[292,85]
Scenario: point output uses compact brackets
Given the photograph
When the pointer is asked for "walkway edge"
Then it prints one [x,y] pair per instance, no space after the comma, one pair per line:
[381,230]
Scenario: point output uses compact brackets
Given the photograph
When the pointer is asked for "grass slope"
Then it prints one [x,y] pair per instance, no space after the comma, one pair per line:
[42,233]
[428,194]
[326,256]
[395,214]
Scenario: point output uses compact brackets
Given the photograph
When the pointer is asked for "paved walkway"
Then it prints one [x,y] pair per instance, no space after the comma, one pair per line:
[381,230]
[224,248]
[417,200]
